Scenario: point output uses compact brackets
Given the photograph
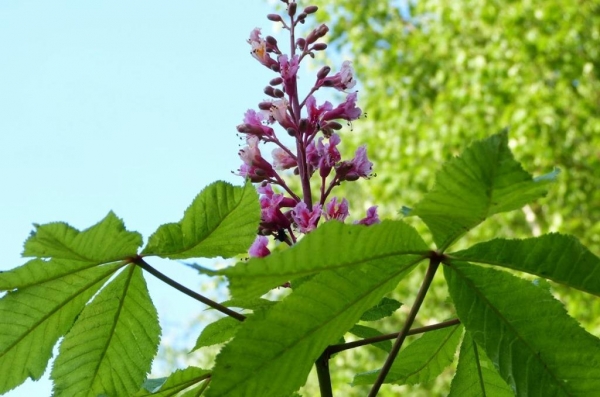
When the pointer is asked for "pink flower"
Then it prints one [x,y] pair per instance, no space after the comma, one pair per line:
[335,210]
[279,113]
[253,125]
[272,219]
[306,220]
[288,70]
[282,160]
[259,249]
[259,50]
[255,166]
[371,217]
[343,80]
[328,154]
[346,110]
[358,167]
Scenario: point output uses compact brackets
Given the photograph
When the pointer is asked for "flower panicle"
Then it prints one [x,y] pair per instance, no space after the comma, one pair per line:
[313,126]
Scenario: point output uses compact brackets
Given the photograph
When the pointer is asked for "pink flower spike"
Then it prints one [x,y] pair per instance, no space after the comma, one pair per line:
[259,50]
[346,110]
[259,249]
[371,217]
[335,210]
[343,80]
[282,159]
[289,70]
[306,220]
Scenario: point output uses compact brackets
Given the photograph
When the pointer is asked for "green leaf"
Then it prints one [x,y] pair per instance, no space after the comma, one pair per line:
[272,354]
[383,309]
[421,361]
[217,332]
[476,375]
[222,221]
[107,241]
[536,347]
[557,257]
[483,181]
[250,304]
[44,300]
[355,245]
[367,332]
[191,378]
[111,346]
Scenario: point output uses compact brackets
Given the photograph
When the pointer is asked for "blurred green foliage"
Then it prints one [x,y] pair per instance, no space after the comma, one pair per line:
[435,75]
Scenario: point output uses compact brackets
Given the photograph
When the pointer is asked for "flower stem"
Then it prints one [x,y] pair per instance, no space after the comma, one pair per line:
[434,263]
[217,306]
[322,365]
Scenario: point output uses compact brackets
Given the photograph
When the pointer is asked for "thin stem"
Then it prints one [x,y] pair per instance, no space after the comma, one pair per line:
[434,263]
[217,306]
[333,349]
[322,365]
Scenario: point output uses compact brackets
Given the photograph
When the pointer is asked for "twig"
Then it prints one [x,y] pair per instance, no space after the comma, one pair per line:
[217,306]
[434,263]
[322,365]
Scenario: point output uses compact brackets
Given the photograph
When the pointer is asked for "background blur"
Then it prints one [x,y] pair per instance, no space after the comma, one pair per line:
[133,107]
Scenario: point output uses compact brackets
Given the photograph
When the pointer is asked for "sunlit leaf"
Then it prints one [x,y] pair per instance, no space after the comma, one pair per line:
[534,344]
[385,308]
[557,257]
[39,311]
[217,332]
[272,354]
[221,221]
[476,375]
[368,332]
[111,346]
[107,241]
[190,379]
[483,181]
[421,361]
[355,246]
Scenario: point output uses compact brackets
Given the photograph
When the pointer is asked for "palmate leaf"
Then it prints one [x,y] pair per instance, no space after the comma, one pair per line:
[47,299]
[272,353]
[476,376]
[221,221]
[191,379]
[537,348]
[111,346]
[421,361]
[483,181]
[334,245]
[554,256]
[107,241]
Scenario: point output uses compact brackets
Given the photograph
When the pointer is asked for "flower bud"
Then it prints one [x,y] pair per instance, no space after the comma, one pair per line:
[276,81]
[270,91]
[278,93]
[292,8]
[291,132]
[323,72]
[274,17]
[301,44]
[302,17]
[319,47]
[265,105]
[317,34]
[271,40]
[303,125]
[310,9]
[334,125]
[275,67]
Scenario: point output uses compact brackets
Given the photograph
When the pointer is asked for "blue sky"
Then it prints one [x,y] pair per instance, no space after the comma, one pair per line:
[124,106]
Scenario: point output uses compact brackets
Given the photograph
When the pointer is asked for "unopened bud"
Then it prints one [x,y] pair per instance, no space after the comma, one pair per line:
[274,17]
[334,125]
[319,47]
[301,44]
[291,132]
[265,105]
[303,124]
[310,9]
[275,67]
[270,91]
[301,17]
[276,81]
[278,93]
[323,72]
[271,40]
[317,34]
[292,9]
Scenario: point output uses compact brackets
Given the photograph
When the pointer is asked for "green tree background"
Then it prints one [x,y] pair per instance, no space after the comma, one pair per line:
[437,74]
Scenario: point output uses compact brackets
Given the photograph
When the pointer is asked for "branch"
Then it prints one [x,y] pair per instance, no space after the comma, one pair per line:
[434,263]
[322,365]
[217,306]
[333,349]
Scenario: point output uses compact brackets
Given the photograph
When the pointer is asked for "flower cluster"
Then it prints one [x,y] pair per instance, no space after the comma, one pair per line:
[313,127]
